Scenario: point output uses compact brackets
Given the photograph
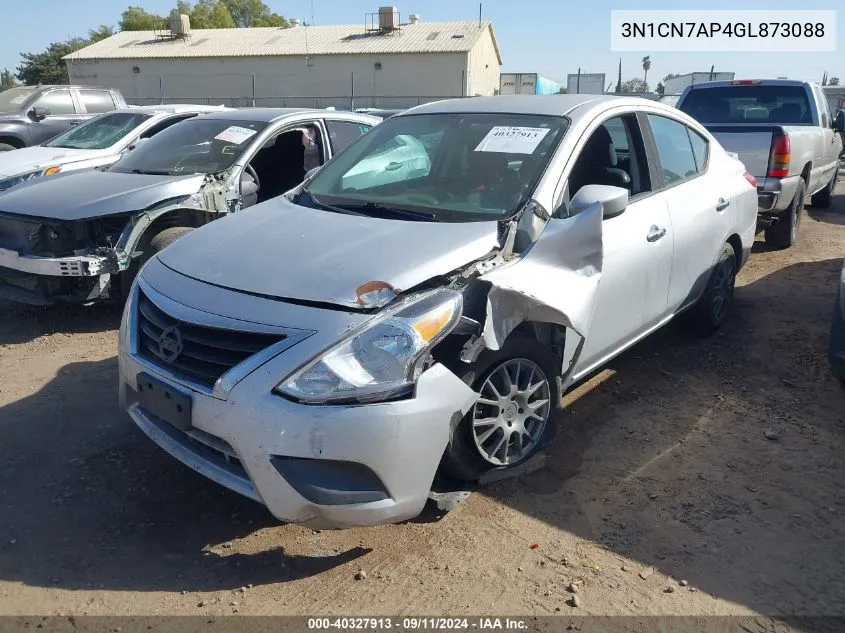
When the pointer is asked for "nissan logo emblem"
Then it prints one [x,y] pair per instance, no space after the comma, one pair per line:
[170,344]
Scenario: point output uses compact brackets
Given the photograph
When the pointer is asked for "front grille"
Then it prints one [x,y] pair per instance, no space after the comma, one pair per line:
[199,353]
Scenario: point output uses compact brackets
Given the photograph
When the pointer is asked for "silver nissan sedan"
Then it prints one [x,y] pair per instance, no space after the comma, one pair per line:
[330,351]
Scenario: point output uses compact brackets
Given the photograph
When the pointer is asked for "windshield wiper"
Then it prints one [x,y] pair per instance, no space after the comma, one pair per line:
[382,209]
[150,172]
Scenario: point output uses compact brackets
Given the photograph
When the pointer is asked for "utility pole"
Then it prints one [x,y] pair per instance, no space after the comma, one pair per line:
[479,13]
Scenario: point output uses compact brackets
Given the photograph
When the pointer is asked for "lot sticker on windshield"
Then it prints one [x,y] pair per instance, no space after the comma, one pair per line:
[512,139]
[235,134]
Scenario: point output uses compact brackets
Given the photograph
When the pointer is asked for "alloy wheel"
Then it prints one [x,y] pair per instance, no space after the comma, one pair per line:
[512,412]
[723,282]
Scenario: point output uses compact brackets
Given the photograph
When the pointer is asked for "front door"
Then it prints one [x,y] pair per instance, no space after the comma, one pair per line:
[62,115]
[637,245]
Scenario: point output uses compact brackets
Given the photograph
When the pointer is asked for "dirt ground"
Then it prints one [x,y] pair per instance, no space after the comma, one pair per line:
[661,495]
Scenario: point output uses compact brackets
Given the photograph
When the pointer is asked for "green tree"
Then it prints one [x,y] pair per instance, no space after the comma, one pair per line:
[100,33]
[137,19]
[562,91]
[210,14]
[7,80]
[248,13]
[634,86]
[646,68]
[833,81]
[47,67]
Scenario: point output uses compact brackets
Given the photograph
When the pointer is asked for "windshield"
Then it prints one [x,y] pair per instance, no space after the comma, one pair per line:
[100,132]
[778,105]
[444,167]
[194,146]
[13,99]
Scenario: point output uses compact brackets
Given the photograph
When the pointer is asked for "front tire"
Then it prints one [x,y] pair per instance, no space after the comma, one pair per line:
[513,418]
[715,304]
[823,199]
[785,233]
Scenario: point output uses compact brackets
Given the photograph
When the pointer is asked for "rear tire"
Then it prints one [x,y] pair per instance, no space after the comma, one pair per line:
[5,147]
[785,233]
[518,434]
[714,307]
[823,199]
[158,243]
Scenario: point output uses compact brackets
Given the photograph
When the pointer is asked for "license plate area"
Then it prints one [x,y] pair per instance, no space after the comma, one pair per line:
[164,401]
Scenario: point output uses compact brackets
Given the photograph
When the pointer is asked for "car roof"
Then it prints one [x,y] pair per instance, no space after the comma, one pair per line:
[267,115]
[549,105]
[176,108]
[757,82]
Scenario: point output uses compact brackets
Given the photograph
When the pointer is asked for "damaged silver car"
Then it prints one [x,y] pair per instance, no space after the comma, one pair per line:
[328,353]
[82,237]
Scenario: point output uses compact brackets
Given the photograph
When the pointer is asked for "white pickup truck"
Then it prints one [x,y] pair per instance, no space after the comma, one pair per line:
[785,134]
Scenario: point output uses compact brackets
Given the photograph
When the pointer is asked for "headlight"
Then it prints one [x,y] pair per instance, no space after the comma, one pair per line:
[381,361]
[8,183]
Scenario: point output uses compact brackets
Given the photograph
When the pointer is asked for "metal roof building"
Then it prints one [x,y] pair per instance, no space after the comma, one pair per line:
[385,64]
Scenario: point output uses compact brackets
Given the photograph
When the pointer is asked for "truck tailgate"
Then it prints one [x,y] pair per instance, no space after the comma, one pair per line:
[753,146]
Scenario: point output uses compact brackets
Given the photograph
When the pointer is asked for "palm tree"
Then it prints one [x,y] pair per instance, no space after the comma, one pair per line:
[646,68]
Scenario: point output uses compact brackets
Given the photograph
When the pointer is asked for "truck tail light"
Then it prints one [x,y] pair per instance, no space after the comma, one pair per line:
[751,179]
[746,82]
[780,156]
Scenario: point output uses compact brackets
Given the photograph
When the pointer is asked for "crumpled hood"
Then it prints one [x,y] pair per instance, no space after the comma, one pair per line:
[92,194]
[27,159]
[282,250]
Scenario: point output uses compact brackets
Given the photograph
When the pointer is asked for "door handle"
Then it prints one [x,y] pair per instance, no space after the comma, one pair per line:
[722,204]
[655,233]
[392,166]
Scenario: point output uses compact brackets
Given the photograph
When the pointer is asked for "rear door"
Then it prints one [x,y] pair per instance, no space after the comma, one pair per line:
[62,115]
[830,148]
[698,201]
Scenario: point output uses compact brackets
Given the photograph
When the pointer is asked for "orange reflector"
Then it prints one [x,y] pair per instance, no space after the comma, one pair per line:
[431,323]
[52,170]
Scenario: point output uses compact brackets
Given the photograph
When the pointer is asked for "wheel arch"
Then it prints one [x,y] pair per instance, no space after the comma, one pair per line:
[14,141]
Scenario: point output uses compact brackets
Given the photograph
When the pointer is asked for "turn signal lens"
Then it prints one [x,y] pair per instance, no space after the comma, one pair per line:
[52,170]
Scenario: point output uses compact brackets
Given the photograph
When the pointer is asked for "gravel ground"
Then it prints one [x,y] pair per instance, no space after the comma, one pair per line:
[693,476]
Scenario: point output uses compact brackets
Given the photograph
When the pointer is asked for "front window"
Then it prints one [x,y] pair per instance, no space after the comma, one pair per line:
[195,146]
[100,132]
[14,99]
[441,167]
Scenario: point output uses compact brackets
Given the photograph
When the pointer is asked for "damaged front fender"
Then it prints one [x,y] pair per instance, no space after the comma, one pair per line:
[555,281]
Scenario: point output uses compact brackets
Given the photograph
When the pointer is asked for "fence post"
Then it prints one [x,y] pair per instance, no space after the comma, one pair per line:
[253,90]
[352,91]
[160,90]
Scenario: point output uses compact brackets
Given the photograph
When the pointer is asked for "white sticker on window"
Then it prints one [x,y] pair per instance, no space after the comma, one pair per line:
[235,134]
[508,139]
[19,99]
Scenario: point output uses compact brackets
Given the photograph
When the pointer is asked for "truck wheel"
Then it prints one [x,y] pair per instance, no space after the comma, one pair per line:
[156,244]
[514,416]
[713,308]
[5,147]
[823,198]
[785,232]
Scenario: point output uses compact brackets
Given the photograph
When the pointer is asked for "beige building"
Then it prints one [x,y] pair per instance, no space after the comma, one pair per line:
[391,64]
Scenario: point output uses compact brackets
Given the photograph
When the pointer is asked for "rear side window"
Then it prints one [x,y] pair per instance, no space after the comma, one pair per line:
[677,160]
[778,105]
[699,149]
[57,102]
[97,100]
[342,133]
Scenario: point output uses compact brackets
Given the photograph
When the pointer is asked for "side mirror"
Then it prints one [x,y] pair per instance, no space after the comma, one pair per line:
[39,113]
[311,172]
[136,143]
[839,121]
[614,200]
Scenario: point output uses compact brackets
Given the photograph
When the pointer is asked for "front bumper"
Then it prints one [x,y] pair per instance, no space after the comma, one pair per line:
[75,266]
[324,466]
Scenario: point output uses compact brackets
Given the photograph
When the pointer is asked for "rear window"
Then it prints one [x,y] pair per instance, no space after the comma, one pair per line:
[779,105]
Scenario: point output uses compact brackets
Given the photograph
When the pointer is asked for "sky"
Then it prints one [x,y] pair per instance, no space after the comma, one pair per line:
[550,37]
